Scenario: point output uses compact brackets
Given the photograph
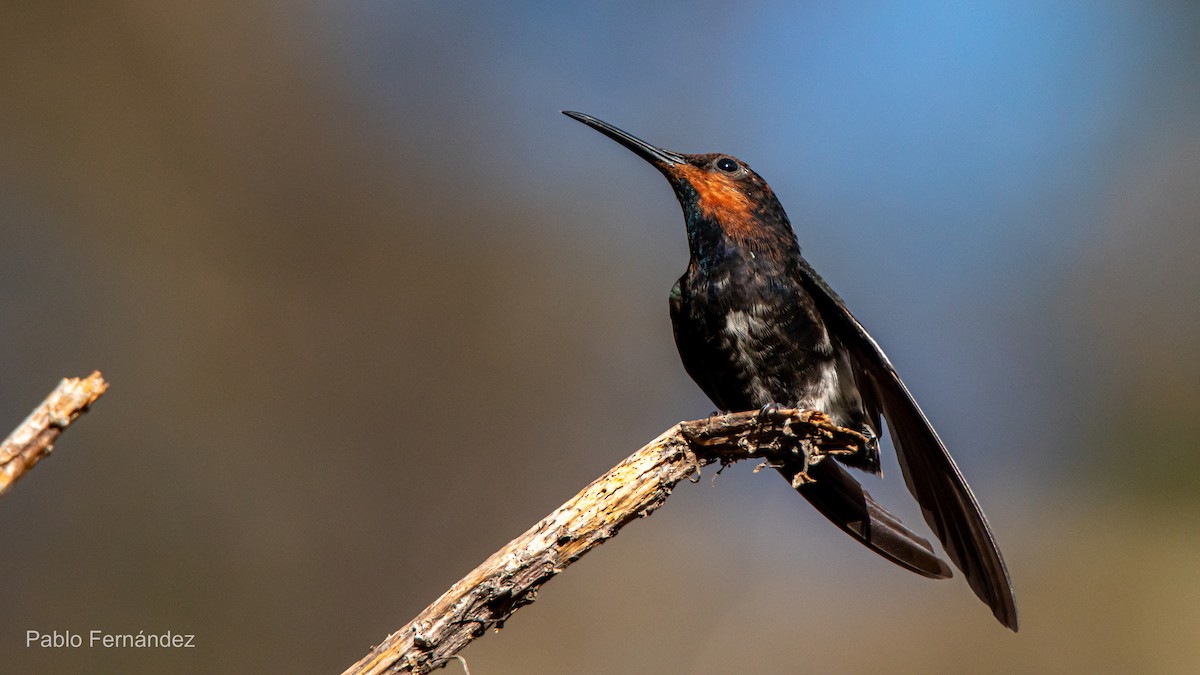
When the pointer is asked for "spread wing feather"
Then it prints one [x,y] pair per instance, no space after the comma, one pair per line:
[930,473]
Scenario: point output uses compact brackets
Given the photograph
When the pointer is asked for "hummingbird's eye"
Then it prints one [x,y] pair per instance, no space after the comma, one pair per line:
[727,165]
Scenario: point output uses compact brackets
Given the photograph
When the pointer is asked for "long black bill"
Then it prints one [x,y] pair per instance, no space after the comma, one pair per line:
[656,156]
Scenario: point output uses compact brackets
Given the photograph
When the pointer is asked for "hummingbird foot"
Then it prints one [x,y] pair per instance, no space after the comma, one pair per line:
[770,411]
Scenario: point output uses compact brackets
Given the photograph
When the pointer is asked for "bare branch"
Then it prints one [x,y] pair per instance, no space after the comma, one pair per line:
[35,437]
[511,577]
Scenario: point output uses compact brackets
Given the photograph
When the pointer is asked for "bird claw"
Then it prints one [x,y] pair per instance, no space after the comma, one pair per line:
[801,478]
[770,410]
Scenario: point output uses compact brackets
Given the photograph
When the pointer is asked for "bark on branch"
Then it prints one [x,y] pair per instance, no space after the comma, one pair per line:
[511,577]
[35,437]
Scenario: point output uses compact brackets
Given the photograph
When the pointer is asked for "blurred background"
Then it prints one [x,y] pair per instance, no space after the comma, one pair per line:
[371,307]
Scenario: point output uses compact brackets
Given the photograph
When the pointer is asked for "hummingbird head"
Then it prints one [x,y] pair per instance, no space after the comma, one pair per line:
[724,202]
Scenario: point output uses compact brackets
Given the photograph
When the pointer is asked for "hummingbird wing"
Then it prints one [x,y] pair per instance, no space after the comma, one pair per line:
[931,475]
[843,501]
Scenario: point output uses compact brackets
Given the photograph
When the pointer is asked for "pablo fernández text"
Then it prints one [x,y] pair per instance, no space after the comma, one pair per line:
[105,640]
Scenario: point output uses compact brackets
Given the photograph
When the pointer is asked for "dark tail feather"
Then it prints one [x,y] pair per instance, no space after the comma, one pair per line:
[842,500]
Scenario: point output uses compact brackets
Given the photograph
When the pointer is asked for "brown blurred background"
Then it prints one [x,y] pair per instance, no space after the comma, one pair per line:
[371,307]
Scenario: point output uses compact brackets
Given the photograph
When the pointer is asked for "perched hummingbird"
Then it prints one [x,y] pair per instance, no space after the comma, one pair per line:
[756,326]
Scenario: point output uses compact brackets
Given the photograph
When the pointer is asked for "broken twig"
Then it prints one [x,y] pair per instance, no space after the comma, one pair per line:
[35,437]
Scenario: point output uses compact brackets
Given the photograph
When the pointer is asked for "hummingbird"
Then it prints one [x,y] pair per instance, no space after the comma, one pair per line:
[757,327]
